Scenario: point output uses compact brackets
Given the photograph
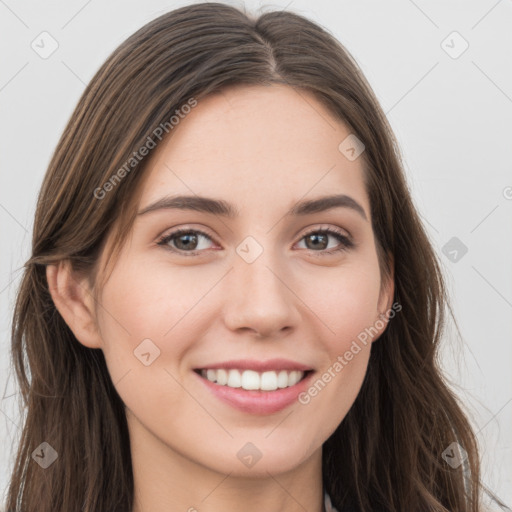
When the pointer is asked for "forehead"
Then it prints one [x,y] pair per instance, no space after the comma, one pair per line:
[255,145]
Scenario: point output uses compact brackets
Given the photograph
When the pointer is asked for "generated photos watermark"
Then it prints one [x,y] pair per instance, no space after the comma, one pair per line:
[151,143]
[363,338]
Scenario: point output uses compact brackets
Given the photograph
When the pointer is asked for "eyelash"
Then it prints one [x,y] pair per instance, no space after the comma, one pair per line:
[345,242]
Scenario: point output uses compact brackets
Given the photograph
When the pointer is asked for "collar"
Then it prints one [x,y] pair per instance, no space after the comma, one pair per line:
[327,503]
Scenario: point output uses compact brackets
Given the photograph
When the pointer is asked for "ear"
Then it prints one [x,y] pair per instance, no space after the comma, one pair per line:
[387,294]
[386,301]
[73,299]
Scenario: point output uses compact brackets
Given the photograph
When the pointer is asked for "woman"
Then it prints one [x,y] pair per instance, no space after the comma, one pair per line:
[260,370]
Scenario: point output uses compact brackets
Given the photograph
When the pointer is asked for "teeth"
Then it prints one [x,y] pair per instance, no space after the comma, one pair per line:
[234,379]
[268,381]
[251,380]
[222,377]
[282,379]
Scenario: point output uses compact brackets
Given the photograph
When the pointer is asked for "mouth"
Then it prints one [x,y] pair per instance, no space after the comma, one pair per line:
[255,392]
[252,380]
[255,386]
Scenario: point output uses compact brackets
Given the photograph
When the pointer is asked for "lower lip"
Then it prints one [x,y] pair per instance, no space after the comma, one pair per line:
[257,401]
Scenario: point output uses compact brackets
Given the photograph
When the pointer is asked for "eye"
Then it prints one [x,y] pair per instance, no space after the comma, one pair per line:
[187,241]
[318,238]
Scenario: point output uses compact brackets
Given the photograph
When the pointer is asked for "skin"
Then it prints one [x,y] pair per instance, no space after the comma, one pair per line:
[262,149]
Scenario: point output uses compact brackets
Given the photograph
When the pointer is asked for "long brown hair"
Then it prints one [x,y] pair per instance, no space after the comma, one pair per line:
[387,453]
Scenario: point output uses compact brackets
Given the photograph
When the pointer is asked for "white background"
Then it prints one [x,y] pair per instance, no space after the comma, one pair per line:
[452,118]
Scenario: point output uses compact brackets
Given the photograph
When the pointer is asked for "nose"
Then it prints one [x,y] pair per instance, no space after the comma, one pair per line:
[260,298]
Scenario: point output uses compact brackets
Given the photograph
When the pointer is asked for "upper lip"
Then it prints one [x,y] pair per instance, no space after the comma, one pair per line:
[258,366]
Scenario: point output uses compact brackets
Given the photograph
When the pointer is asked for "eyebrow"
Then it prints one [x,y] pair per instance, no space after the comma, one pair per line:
[225,209]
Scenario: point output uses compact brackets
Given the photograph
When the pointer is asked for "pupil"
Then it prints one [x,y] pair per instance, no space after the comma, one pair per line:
[316,237]
[187,244]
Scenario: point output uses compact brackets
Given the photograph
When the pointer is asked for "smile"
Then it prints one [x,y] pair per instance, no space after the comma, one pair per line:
[252,380]
[255,392]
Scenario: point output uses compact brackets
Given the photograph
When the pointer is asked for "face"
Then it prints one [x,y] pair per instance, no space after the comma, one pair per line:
[283,295]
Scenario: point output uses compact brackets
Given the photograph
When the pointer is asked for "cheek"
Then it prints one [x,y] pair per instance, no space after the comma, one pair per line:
[142,301]
[143,321]
[350,314]
[347,302]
